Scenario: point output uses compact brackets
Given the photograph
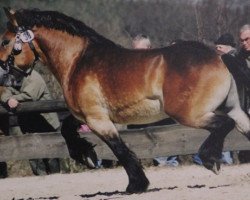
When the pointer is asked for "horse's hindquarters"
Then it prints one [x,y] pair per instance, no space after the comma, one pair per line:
[193,95]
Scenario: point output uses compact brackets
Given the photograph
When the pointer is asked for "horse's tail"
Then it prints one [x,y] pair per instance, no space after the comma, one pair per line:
[235,112]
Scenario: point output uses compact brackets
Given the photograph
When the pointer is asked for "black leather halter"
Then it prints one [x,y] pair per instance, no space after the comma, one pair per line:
[9,65]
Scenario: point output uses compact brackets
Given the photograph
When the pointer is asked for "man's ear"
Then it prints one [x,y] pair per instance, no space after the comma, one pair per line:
[10,13]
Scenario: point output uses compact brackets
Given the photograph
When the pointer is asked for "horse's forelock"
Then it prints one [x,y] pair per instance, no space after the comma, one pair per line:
[26,17]
[11,27]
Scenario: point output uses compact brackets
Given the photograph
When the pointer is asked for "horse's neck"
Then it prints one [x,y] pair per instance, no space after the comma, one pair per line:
[61,51]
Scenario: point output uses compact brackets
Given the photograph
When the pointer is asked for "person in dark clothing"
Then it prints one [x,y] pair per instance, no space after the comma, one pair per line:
[239,66]
[244,78]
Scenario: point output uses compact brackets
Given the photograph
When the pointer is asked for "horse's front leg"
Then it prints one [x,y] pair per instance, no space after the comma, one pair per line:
[78,147]
[106,130]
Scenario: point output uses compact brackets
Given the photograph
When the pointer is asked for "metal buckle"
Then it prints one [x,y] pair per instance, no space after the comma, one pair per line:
[27,36]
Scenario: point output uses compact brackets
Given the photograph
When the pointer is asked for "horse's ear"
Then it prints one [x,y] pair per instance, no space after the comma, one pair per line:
[10,13]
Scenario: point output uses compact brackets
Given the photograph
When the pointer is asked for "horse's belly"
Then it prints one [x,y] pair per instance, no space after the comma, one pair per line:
[142,112]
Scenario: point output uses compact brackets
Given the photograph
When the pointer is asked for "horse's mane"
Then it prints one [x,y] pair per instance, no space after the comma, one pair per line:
[56,20]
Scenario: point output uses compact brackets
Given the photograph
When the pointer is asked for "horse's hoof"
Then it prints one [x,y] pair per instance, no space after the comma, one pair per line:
[214,166]
[84,156]
[137,186]
[90,163]
[91,158]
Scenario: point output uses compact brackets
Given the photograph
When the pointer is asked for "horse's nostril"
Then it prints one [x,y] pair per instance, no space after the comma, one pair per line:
[16,52]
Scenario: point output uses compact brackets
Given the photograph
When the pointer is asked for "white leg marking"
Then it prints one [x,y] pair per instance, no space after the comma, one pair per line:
[104,128]
[241,120]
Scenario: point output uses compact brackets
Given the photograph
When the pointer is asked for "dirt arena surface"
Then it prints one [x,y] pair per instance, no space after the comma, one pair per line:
[167,183]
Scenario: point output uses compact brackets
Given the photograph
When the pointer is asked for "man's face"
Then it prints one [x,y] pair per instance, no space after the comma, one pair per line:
[245,40]
[222,49]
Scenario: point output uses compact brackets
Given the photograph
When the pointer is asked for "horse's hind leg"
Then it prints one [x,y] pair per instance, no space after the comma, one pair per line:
[211,150]
[78,147]
[106,130]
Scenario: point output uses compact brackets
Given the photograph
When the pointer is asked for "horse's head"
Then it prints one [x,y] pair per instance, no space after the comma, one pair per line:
[18,54]
[58,40]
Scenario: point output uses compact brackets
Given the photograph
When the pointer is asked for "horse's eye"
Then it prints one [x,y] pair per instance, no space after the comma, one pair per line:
[5,42]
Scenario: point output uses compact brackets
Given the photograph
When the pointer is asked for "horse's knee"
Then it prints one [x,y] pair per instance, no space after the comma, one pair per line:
[103,128]
[69,127]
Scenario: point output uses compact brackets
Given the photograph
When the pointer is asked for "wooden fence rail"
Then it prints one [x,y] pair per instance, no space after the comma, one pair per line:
[146,143]
[36,106]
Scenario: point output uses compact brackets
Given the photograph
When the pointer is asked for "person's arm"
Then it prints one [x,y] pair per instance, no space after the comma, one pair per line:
[28,94]
[7,94]
[32,90]
[6,97]
[238,68]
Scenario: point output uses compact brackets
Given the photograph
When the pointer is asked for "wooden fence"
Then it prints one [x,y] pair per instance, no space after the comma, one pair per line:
[146,143]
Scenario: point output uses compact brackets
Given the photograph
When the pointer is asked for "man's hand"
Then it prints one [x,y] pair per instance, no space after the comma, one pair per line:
[12,103]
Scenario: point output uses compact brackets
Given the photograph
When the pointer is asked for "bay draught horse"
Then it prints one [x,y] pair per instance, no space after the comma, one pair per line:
[104,83]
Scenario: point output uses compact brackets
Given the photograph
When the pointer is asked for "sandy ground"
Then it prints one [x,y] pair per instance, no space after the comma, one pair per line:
[167,183]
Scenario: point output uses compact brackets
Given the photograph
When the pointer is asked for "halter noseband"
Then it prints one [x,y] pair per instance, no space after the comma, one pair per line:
[22,36]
